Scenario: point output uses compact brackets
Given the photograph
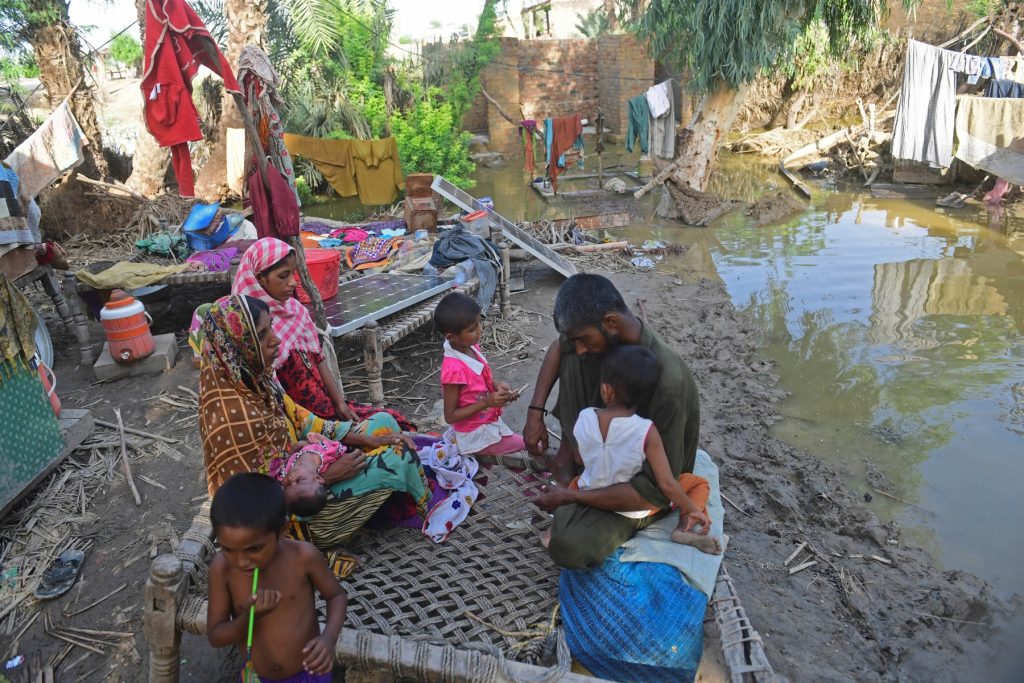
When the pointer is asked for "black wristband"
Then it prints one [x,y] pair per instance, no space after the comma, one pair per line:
[540,408]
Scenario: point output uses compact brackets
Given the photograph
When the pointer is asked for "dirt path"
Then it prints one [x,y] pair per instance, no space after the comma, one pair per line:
[841,619]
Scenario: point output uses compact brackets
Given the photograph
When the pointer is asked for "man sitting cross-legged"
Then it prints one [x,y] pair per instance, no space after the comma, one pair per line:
[592,318]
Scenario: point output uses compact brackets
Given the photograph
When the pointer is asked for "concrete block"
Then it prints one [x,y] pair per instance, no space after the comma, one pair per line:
[106,368]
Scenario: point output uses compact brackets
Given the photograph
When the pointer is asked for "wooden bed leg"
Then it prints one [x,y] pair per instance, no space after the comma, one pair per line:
[373,355]
[165,589]
[81,323]
[53,288]
[503,282]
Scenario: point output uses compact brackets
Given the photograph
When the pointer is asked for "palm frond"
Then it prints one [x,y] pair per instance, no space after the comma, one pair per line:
[213,15]
[315,23]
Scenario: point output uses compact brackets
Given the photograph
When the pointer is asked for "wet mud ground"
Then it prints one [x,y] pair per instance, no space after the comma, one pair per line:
[846,618]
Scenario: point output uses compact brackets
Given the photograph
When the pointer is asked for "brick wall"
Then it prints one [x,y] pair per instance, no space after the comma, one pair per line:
[558,78]
[475,119]
[624,71]
[501,80]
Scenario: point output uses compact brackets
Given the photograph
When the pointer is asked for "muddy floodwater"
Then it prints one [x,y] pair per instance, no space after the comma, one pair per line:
[896,326]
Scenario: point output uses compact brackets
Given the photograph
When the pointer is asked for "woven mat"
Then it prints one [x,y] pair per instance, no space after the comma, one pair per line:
[492,566]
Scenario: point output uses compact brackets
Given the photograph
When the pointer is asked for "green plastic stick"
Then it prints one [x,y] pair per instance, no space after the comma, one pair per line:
[252,614]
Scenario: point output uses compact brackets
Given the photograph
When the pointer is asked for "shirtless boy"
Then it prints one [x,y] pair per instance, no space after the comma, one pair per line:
[249,520]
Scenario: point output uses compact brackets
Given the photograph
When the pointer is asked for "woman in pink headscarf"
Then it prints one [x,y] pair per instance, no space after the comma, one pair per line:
[268,271]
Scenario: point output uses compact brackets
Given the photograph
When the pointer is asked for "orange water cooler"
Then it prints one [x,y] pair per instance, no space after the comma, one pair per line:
[127,326]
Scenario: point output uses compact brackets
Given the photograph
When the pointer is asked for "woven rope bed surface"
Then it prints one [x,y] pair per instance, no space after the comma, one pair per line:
[492,566]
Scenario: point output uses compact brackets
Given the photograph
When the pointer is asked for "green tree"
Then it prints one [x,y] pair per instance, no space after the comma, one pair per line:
[126,50]
[594,23]
[430,141]
[725,44]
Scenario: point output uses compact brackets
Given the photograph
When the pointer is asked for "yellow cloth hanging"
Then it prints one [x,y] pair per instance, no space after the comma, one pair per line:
[378,170]
[333,158]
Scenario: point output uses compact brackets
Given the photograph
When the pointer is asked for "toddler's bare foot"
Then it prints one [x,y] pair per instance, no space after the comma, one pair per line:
[545,538]
[708,544]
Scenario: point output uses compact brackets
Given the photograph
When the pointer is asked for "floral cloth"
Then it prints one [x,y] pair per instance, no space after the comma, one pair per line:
[260,83]
[394,468]
[455,473]
[17,324]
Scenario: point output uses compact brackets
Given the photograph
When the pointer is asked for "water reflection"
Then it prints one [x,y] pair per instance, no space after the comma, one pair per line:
[897,328]
[906,292]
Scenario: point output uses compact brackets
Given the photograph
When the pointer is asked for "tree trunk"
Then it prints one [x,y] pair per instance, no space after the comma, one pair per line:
[247,25]
[792,122]
[149,164]
[62,66]
[709,125]
[610,10]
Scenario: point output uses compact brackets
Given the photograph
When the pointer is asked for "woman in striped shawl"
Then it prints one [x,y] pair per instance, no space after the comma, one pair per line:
[249,424]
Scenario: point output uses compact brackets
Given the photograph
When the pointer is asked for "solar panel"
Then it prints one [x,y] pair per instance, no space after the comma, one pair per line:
[377,296]
[509,229]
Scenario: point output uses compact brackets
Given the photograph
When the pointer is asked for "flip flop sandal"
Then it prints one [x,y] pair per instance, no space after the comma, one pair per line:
[58,579]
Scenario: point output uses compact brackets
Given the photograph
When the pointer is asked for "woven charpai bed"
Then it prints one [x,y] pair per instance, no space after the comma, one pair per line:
[478,607]
[482,606]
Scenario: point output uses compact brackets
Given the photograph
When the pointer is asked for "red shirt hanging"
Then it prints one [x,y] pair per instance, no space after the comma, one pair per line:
[177,43]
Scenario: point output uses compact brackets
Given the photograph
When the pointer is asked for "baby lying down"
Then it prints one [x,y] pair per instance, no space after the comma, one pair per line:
[302,476]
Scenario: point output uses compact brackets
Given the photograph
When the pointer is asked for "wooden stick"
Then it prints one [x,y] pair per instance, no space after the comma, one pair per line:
[124,460]
[900,500]
[51,630]
[796,552]
[589,248]
[729,501]
[503,113]
[82,644]
[801,567]
[138,432]
[111,186]
[1006,36]
[96,602]
[966,32]
[659,178]
[883,560]
[643,313]
[956,621]
[152,482]
[20,633]
[94,632]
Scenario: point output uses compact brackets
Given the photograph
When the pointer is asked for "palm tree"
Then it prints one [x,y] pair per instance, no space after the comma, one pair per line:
[63,66]
[246,25]
[149,164]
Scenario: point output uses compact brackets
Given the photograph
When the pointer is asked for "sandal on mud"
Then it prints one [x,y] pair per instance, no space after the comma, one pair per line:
[58,579]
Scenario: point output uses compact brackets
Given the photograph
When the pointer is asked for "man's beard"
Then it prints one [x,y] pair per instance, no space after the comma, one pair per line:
[612,339]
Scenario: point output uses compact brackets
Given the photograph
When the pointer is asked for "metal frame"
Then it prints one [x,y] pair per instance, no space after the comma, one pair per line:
[509,229]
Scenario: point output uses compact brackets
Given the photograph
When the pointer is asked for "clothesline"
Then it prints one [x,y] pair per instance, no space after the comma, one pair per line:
[930,115]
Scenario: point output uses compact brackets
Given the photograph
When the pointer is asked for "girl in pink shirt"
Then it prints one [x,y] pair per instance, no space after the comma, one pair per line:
[472,399]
